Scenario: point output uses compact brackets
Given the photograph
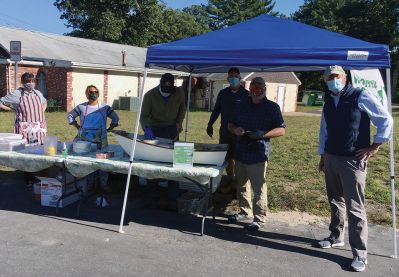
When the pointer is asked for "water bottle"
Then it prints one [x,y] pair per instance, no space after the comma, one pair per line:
[64,150]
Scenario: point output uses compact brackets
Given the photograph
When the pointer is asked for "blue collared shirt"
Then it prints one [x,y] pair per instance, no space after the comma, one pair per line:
[369,104]
[265,116]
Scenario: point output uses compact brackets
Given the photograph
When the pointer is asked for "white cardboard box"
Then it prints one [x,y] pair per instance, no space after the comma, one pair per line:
[51,191]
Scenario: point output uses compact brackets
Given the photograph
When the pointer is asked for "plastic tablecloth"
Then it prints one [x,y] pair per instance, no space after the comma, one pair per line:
[33,159]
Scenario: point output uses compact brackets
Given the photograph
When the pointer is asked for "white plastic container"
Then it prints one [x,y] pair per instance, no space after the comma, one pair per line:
[50,145]
[10,136]
[12,144]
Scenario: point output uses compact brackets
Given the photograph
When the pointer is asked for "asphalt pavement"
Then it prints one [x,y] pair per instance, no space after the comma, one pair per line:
[35,242]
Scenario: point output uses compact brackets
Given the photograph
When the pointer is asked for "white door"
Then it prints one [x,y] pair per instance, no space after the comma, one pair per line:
[280,97]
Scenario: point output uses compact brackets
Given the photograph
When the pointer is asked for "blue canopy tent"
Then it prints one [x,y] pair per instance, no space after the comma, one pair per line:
[267,43]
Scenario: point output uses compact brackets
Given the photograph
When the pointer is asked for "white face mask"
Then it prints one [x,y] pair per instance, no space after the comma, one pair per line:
[164,94]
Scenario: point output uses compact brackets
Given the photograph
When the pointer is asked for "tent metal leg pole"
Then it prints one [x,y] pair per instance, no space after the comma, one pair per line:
[392,166]
[136,129]
[188,106]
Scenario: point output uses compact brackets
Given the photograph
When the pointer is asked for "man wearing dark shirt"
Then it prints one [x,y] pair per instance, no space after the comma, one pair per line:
[255,123]
[228,101]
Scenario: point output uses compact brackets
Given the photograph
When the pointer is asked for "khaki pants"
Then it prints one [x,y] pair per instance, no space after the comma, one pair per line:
[345,183]
[251,178]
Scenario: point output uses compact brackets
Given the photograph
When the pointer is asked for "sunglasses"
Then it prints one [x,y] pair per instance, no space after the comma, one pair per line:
[93,91]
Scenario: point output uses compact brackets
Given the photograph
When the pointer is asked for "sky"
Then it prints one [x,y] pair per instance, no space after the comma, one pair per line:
[43,16]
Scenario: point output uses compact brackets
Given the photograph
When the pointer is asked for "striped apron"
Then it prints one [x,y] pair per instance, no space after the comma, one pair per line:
[29,119]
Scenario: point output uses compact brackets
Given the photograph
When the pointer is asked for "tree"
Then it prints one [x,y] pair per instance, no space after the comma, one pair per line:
[201,15]
[226,13]
[371,20]
[136,22]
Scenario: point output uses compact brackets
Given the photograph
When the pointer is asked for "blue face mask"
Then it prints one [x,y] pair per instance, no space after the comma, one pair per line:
[29,86]
[335,85]
[234,81]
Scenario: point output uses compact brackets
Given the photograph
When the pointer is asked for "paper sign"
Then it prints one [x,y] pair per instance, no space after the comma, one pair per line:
[183,154]
[371,80]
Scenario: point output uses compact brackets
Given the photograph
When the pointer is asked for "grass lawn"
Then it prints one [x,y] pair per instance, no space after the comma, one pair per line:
[293,179]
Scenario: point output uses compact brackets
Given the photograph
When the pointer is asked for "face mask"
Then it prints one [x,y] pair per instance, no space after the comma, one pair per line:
[29,86]
[93,96]
[335,85]
[234,81]
[167,89]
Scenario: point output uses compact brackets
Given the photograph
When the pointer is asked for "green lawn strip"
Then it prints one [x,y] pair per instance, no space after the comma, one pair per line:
[294,182]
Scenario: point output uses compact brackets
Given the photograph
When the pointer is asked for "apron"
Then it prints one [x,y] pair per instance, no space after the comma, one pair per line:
[29,119]
[93,128]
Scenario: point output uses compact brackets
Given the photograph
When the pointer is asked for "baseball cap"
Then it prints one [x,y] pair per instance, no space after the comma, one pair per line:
[258,80]
[333,69]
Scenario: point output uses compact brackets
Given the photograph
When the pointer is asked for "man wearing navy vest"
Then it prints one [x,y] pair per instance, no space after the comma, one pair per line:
[344,150]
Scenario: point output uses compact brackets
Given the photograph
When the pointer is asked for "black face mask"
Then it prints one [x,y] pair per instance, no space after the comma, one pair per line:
[93,96]
[168,89]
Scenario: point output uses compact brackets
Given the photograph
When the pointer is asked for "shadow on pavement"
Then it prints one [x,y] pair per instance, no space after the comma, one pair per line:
[14,197]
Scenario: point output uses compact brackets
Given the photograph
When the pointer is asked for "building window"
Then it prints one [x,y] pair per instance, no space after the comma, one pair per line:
[41,83]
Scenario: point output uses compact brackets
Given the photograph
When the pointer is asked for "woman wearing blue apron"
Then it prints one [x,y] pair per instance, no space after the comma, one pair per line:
[93,120]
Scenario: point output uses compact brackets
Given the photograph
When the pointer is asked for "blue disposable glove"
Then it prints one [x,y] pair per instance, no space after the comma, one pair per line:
[148,134]
[256,134]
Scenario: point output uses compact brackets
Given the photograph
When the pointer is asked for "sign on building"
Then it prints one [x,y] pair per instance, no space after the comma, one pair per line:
[15,51]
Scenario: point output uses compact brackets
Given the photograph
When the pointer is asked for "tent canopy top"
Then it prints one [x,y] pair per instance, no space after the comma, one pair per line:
[267,43]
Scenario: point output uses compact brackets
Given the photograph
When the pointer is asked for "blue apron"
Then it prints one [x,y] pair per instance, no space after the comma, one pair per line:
[94,129]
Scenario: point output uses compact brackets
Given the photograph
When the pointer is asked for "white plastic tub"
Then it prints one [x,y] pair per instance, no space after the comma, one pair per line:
[10,136]
[12,144]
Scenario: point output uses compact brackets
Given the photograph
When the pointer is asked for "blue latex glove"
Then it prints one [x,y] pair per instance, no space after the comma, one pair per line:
[148,134]
[256,134]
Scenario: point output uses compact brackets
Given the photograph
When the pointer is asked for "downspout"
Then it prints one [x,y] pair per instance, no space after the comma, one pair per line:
[9,75]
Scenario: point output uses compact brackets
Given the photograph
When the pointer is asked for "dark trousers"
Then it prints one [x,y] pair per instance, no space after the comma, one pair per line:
[168,132]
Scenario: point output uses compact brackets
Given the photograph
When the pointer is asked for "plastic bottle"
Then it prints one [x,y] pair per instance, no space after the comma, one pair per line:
[64,150]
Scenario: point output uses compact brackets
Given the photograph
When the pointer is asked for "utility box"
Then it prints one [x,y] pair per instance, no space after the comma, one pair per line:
[129,103]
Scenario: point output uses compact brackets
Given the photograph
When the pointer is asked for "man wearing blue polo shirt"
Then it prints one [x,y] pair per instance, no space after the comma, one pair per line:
[255,123]
[344,152]
[227,102]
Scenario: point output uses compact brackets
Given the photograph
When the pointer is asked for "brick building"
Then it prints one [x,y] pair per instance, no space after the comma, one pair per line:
[64,66]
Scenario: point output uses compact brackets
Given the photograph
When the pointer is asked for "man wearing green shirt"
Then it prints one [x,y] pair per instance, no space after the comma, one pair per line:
[162,115]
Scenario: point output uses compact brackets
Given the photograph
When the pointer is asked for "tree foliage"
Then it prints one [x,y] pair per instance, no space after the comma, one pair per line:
[226,13]
[146,22]
[136,22]
[375,21]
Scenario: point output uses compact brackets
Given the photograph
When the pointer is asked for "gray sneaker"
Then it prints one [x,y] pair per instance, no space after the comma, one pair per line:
[236,218]
[254,226]
[330,242]
[359,264]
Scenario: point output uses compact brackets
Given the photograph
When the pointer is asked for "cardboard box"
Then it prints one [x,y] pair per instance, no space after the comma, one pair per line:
[37,190]
[52,190]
